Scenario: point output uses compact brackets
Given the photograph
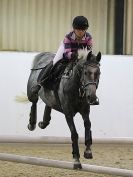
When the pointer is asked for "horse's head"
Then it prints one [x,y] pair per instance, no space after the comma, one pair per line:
[90,74]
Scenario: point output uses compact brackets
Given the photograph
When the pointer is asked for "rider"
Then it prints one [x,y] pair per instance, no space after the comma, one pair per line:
[76,39]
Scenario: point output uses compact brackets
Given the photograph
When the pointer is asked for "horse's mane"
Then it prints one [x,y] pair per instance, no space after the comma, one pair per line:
[82,53]
[82,56]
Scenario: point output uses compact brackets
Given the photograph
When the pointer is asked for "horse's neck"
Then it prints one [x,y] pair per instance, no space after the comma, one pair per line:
[76,75]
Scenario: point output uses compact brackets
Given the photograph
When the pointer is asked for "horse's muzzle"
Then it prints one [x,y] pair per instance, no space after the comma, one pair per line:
[91,99]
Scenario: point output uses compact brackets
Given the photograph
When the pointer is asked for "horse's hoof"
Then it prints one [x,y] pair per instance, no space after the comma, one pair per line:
[43,125]
[88,154]
[77,166]
[31,127]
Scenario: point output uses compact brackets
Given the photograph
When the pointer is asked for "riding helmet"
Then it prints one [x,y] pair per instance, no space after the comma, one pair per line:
[80,22]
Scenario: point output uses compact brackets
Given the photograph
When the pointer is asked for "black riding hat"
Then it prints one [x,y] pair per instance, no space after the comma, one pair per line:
[80,22]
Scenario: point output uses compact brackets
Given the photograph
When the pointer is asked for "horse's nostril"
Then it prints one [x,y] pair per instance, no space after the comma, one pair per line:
[91,98]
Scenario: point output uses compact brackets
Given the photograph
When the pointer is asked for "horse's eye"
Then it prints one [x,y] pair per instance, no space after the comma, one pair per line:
[85,72]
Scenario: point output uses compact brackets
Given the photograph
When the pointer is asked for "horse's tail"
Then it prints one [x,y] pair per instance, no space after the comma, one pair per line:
[22,98]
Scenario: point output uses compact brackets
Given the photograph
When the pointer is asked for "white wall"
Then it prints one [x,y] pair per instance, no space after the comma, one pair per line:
[112,118]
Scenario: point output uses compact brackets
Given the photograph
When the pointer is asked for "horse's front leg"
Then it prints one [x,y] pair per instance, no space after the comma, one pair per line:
[74,138]
[88,135]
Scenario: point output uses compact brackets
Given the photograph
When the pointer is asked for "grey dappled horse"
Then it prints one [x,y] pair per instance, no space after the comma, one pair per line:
[73,96]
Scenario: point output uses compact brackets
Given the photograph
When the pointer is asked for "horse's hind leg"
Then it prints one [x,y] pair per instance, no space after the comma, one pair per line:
[46,118]
[33,117]
[33,113]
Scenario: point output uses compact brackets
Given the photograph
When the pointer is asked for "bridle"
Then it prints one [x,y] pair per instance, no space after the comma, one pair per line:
[84,84]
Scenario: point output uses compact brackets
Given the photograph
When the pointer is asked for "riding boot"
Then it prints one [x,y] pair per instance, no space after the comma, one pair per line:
[43,76]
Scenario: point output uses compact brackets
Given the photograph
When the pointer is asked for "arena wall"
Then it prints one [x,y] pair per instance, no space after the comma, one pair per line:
[112,118]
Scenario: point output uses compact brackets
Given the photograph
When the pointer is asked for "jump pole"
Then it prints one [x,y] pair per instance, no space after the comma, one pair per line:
[64,165]
[60,140]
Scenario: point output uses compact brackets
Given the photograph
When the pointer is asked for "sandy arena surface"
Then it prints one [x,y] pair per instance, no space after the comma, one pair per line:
[120,156]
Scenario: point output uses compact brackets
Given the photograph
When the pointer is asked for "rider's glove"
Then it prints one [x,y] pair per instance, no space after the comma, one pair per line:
[74,56]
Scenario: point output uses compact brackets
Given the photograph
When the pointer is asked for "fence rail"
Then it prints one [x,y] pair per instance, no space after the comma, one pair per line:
[60,140]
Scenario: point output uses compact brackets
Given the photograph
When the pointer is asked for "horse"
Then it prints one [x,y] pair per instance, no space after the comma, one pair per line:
[73,95]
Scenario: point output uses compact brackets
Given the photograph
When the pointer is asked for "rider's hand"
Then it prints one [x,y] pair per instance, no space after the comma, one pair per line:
[74,56]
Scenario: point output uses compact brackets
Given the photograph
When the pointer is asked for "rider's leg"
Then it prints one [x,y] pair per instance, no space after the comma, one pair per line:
[46,71]
[43,75]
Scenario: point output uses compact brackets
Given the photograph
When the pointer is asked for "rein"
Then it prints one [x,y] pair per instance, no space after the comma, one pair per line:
[33,69]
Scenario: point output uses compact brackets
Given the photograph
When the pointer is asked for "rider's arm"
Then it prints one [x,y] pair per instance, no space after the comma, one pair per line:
[67,48]
[89,41]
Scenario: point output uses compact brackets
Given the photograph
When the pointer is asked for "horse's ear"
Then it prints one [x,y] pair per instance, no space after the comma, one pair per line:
[89,55]
[98,56]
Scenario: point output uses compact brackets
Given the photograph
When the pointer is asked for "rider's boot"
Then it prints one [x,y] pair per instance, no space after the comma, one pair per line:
[43,76]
